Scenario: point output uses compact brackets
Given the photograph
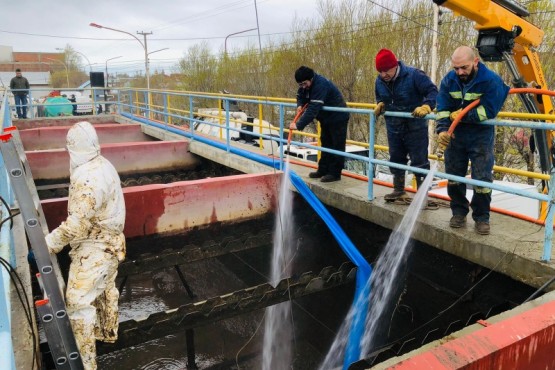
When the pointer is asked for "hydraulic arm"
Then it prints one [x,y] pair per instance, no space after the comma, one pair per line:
[504,35]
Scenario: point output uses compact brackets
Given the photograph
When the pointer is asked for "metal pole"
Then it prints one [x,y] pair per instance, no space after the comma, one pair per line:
[233,34]
[65,66]
[147,72]
[136,38]
[433,75]
[107,67]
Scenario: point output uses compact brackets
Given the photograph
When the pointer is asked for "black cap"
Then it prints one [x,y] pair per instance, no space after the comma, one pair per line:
[303,74]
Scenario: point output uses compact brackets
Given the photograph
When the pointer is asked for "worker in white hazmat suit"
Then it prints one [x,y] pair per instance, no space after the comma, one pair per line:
[94,230]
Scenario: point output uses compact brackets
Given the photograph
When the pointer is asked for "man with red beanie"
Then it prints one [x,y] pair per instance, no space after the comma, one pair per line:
[401,88]
[317,92]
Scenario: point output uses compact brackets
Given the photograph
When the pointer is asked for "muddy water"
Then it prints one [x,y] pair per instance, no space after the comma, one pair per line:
[435,280]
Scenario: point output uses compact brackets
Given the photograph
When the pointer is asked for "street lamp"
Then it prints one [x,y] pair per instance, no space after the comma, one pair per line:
[107,68]
[155,51]
[83,55]
[65,65]
[144,45]
[233,34]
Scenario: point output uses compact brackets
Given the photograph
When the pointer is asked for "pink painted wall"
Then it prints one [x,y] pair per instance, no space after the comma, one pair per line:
[44,138]
[158,209]
[138,157]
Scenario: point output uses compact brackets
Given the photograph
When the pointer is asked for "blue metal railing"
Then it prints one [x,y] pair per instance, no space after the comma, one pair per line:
[130,106]
[7,359]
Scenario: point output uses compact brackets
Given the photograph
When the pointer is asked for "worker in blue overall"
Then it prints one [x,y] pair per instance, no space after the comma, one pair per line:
[469,80]
[401,88]
[315,91]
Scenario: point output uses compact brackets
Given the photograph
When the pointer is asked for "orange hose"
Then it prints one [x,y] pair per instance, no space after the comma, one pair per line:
[297,116]
[516,90]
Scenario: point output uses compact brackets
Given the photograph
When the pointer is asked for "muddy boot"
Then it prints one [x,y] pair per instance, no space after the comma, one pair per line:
[398,189]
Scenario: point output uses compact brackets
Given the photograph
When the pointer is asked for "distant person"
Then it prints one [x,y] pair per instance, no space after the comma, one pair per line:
[20,89]
[73,101]
[469,80]
[316,91]
[401,88]
[94,231]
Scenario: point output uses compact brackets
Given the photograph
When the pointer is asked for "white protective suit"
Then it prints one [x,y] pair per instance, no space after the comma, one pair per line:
[94,230]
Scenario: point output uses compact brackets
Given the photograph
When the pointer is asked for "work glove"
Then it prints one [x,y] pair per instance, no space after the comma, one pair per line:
[299,109]
[443,140]
[454,115]
[380,109]
[292,126]
[422,111]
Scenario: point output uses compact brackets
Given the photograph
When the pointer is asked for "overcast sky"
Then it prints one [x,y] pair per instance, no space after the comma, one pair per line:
[43,26]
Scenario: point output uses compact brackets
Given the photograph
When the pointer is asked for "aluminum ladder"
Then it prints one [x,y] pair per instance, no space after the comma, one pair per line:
[51,309]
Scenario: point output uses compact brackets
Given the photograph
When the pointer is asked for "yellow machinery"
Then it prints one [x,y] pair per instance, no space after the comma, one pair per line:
[504,35]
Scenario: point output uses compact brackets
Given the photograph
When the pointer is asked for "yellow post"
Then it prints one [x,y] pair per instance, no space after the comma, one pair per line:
[137,111]
[260,114]
[168,104]
[220,102]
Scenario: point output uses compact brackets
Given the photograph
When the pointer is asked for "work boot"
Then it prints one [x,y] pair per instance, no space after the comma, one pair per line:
[457,221]
[315,175]
[482,227]
[398,189]
[330,178]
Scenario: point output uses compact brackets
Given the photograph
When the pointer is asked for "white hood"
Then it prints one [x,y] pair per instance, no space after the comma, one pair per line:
[82,144]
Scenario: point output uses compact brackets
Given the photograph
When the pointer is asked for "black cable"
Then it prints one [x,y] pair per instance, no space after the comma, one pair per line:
[14,277]
[10,217]
[8,209]
[540,289]
[439,314]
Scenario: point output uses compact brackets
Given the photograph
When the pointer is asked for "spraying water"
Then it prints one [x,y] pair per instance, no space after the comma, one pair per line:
[381,282]
[278,332]
[389,262]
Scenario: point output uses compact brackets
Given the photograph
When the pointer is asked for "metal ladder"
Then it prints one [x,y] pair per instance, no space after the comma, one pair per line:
[51,309]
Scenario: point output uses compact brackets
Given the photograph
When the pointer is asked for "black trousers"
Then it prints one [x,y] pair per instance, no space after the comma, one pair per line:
[333,136]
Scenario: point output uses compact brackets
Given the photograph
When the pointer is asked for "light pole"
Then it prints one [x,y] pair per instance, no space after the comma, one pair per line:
[83,55]
[155,51]
[143,44]
[65,65]
[107,68]
[233,34]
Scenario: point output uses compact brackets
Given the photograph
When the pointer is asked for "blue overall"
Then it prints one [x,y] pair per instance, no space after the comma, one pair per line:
[333,124]
[472,141]
[407,137]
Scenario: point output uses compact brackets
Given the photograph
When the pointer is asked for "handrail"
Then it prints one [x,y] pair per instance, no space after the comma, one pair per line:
[370,161]
[7,358]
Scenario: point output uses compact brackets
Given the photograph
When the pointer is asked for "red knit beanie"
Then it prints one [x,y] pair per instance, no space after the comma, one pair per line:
[385,60]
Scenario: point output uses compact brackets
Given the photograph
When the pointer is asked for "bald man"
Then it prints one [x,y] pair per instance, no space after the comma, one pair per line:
[472,140]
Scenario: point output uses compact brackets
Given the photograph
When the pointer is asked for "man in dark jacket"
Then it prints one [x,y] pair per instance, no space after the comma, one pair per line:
[469,80]
[20,88]
[317,92]
[400,88]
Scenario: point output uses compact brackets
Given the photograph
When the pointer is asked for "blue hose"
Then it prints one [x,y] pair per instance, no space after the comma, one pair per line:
[364,270]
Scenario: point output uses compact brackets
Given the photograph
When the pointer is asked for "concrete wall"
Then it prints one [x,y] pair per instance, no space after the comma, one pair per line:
[171,208]
[43,138]
[138,157]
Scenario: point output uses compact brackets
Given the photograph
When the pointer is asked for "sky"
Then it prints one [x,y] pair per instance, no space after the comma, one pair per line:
[45,26]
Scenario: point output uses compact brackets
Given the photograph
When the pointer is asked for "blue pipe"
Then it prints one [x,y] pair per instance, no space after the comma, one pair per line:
[364,270]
